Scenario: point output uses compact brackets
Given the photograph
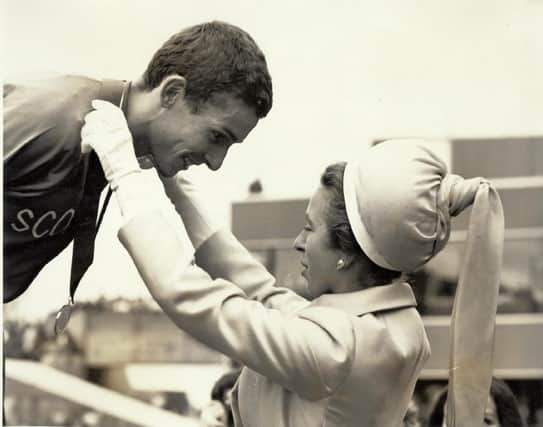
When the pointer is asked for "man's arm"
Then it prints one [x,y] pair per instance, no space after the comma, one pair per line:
[44,175]
[41,148]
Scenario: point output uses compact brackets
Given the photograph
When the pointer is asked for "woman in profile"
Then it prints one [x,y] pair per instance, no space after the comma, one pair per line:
[351,354]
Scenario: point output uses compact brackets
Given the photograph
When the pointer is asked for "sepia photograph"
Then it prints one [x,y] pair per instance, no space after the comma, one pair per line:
[272,214]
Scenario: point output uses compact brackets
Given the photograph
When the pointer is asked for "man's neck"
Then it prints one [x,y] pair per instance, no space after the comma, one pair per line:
[137,118]
[141,147]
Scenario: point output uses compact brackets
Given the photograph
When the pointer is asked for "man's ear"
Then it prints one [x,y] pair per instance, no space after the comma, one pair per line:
[171,88]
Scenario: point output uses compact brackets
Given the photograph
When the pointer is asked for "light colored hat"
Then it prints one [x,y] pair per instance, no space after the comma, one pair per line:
[399,199]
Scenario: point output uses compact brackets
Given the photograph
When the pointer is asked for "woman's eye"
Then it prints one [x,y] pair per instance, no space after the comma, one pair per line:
[307,228]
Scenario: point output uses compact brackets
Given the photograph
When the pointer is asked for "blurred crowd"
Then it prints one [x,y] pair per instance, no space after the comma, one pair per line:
[502,407]
[37,342]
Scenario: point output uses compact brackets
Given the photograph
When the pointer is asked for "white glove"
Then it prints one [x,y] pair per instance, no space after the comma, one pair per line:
[106,132]
[189,203]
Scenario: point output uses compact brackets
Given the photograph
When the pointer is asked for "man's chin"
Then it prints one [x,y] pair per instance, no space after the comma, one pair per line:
[167,174]
[147,162]
[150,162]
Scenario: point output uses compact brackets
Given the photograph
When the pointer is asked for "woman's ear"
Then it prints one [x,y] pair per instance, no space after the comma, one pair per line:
[171,89]
[346,261]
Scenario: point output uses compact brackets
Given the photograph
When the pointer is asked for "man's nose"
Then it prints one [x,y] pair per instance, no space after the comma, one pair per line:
[215,157]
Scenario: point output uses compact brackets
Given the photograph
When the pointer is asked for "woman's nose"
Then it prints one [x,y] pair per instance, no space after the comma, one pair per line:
[299,242]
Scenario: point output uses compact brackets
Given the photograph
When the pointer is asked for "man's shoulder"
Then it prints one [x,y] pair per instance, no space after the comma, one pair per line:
[57,85]
[44,99]
[42,125]
[49,110]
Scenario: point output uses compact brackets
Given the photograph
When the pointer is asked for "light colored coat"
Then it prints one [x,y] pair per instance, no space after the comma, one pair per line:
[342,360]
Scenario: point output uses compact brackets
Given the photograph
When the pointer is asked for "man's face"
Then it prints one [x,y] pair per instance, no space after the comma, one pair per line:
[179,137]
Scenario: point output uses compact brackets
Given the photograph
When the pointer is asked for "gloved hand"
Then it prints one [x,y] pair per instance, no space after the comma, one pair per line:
[106,132]
[188,201]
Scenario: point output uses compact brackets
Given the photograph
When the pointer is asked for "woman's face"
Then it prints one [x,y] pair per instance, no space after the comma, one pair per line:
[319,260]
[491,414]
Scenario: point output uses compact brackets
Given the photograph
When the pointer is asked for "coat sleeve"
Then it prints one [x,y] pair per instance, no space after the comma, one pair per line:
[309,352]
[219,253]
[222,256]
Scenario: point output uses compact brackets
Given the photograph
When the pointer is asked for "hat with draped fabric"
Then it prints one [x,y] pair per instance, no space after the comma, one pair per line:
[399,198]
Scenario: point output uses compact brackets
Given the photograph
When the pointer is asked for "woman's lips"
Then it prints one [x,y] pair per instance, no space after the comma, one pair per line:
[304,268]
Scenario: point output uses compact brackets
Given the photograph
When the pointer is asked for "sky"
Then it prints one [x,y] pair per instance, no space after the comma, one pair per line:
[344,73]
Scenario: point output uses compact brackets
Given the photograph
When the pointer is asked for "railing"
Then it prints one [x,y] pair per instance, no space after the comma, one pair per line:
[517,347]
[92,396]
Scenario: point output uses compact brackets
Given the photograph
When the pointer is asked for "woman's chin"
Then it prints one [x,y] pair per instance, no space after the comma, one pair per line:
[307,289]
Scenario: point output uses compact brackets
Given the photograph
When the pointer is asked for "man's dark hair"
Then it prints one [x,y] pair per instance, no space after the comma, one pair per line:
[214,57]
[340,231]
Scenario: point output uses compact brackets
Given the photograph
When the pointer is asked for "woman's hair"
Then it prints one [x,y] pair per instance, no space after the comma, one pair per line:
[504,399]
[214,57]
[225,383]
[340,232]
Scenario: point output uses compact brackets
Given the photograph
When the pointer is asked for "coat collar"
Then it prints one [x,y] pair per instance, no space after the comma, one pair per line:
[379,298]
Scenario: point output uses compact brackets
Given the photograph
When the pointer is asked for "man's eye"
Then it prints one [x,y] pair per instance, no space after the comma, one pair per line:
[218,137]
[307,228]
